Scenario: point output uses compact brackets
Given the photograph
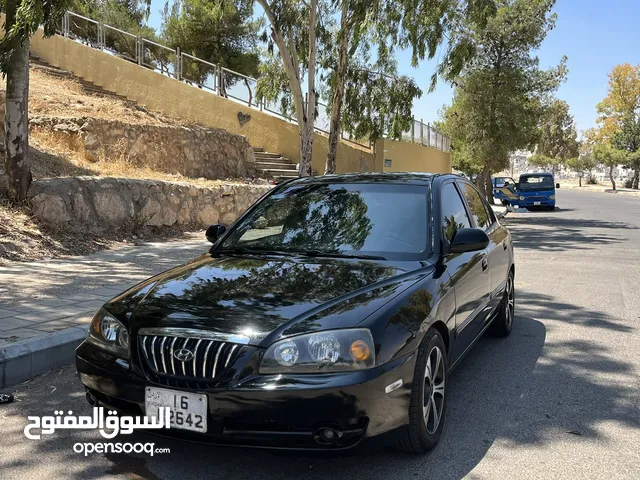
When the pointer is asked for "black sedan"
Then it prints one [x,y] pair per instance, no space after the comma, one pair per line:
[331,312]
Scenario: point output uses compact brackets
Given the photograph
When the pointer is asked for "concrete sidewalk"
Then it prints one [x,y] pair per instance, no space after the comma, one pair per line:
[45,306]
[499,210]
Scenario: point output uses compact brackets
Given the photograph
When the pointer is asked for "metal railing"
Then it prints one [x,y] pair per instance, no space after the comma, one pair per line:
[211,77]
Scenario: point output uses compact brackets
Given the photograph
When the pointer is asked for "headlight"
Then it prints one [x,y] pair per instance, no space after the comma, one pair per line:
[552,197]
[109,334]
[521,197]
[321,352]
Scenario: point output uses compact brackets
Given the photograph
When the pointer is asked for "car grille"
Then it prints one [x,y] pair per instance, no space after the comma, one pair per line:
[537,198]
[206,361]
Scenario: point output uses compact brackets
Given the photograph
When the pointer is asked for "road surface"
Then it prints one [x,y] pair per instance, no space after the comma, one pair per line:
[558,399]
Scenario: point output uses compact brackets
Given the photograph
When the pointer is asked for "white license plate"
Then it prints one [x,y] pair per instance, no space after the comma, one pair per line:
[188,410]
[536,203]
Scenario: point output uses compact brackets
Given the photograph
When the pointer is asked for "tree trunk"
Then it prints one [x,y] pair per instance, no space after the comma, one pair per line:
[338,93]
[306,140]
[286,47]
[636,178]
[579,180]
[613,182]
[483,182]
[16,120]
[306,150]
[489,188]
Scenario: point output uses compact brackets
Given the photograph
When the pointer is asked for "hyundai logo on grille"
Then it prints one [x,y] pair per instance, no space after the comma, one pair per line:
[183,355]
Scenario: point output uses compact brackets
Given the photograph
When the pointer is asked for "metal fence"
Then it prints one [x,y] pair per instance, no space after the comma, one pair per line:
[211,77]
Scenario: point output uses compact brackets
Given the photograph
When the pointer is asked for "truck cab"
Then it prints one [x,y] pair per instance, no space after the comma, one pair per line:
[536,190]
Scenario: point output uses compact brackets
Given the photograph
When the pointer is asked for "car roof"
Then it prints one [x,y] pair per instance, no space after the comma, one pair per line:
[415,178]
[536,174]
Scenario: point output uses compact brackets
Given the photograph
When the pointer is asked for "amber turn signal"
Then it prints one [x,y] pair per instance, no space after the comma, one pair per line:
[360,351]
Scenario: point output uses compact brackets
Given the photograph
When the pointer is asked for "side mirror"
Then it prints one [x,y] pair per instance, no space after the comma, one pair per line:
[469,240]
[557,185]
[517,185]
[214,232]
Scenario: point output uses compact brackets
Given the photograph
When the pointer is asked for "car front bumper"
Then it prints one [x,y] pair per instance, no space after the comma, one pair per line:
[539,202]
[275,411]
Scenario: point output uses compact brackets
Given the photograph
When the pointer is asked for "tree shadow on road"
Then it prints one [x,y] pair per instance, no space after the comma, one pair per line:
[557,234]
[550,308]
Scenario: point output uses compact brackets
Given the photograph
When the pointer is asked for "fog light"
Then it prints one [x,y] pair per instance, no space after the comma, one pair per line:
[521,197]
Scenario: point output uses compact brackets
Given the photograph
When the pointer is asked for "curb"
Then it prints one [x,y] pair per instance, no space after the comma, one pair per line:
[623,192]
[23,360]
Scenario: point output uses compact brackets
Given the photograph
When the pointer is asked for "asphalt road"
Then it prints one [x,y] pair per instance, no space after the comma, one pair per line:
[560,398]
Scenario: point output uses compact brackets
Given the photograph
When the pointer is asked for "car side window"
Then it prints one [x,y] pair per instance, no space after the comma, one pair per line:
[478,208]
[454,215]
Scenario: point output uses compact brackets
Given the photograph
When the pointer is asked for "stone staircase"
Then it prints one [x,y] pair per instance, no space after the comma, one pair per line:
[275,165]
[87,87]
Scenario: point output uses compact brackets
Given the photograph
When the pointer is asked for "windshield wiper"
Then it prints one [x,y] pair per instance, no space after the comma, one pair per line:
[253,251]
[335,254]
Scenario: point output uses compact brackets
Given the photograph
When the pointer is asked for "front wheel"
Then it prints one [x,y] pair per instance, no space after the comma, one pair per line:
[428,396]
[502,324]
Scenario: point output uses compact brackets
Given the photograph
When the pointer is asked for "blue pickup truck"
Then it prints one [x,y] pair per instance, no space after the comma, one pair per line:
[536,190]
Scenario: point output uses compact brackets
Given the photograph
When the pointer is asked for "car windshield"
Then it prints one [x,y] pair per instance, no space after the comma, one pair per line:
[359,219]
[536,183]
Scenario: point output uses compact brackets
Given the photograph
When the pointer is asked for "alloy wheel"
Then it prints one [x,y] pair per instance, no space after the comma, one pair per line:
[433,402]
[510,301]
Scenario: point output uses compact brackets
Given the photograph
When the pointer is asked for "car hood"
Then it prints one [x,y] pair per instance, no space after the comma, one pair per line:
[264,298]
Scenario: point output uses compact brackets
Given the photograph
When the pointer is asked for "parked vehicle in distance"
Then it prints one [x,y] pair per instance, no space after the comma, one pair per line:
[537,190]
[330,313]
[504,189]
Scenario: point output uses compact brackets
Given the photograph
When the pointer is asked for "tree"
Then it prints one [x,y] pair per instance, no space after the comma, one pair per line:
[23,17]
[499,97]
[558,139]
[609,156]
[293,29]
[127,15]
[619,112]
[368,93]
[217,31]
[582,162]
[542,161]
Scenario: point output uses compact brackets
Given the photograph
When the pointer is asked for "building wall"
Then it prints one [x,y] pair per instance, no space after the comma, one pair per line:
[410,157]
[177,99]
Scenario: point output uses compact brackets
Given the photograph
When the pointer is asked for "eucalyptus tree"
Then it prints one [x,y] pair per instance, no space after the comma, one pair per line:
[23,17]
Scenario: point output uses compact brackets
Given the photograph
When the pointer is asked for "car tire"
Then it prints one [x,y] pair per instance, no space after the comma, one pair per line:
[424,429]
[503,323]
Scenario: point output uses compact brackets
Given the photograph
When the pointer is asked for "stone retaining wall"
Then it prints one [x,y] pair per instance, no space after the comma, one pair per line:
[100,203]
[192,151]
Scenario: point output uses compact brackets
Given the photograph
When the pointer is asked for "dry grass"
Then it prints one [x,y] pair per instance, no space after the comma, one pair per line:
[58,154]
[61,97]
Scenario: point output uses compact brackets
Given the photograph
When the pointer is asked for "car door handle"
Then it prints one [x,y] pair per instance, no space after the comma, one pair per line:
[485,264]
